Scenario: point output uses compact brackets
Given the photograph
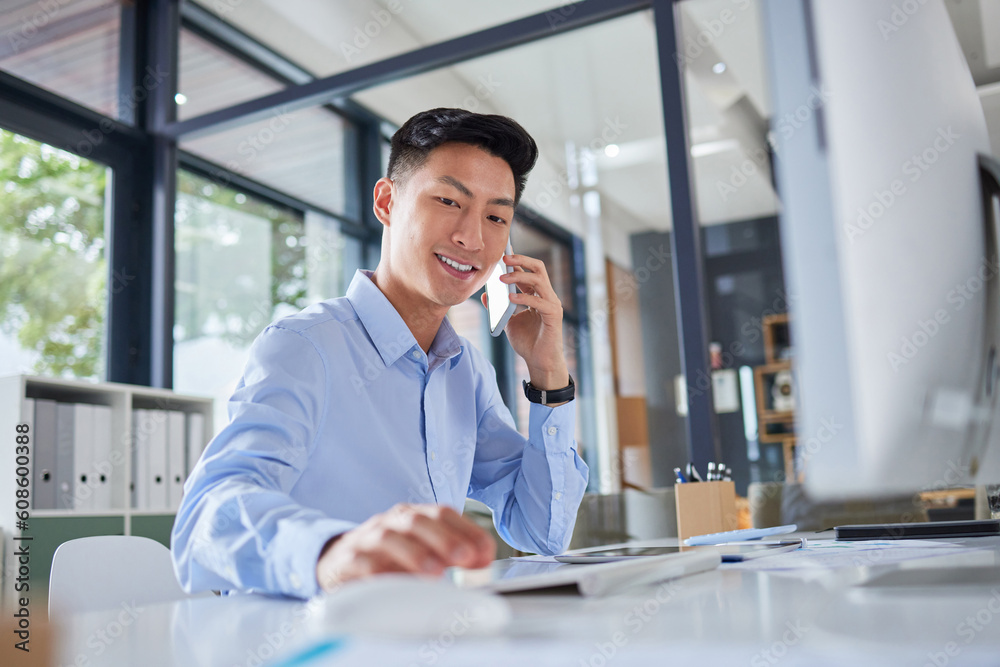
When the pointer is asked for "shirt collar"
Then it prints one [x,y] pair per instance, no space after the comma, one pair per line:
[388,331]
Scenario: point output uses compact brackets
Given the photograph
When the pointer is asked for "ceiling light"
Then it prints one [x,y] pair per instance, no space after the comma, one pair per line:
[611,150]
[180,98]
[719,67]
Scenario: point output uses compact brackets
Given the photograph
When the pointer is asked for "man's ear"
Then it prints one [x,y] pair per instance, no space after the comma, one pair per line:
[383,200]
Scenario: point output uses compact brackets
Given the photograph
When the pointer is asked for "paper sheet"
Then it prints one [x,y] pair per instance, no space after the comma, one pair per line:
[830,554]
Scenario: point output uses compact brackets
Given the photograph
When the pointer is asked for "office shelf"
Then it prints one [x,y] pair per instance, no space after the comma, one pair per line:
[51,527]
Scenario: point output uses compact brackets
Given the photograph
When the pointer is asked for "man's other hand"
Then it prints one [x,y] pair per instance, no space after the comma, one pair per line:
[408,538]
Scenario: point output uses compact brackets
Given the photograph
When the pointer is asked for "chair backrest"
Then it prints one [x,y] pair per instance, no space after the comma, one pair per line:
[107,571]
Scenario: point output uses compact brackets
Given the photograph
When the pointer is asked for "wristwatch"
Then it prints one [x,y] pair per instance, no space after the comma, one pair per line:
[549,396]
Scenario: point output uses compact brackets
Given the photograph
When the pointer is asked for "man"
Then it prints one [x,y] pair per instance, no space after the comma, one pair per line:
[362,423]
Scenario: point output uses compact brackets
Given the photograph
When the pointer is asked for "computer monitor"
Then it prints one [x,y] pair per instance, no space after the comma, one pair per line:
[889,246]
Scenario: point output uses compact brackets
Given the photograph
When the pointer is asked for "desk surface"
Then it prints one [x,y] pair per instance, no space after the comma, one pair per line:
[728,616]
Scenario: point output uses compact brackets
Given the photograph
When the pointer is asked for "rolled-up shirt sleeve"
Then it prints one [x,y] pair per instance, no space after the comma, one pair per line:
[534,485]
[237,526]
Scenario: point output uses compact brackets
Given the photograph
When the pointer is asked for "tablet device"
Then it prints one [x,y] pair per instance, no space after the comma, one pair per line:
[735,552]
[514,575]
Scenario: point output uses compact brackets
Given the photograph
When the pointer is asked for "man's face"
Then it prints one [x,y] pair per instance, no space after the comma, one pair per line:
[455,209]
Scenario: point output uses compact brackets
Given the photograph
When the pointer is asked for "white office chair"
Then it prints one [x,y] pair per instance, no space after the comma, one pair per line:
[106,571]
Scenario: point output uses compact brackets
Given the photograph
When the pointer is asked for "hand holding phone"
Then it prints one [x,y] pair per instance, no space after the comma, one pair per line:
[498,295]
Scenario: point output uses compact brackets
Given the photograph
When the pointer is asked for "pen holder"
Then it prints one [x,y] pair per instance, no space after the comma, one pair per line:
[705,507]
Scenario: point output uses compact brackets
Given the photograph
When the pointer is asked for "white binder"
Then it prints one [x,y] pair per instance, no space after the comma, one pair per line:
[102,471]
[157,445]
[140,459]
[73,456]
[176,474]
[195,438]
[43,456]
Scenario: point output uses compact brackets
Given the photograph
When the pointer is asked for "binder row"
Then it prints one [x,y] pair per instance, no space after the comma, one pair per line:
[76,467]
[167,446]
[73,466]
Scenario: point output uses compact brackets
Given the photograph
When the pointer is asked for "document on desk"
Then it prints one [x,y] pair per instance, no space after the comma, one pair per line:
[832,555]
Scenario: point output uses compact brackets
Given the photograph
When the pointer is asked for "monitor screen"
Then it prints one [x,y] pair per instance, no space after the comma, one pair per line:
[891,272]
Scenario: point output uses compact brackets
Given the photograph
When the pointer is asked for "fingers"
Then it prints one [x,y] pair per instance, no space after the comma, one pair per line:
[452,538]
[530,275]
[532,283]
[421,539]
[526,263]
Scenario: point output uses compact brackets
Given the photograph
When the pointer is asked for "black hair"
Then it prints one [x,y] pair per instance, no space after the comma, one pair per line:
[499,136]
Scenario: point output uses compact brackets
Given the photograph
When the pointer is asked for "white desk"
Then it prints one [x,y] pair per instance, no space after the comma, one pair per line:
[725,617]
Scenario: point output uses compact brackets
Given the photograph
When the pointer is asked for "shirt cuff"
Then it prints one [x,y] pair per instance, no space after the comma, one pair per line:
[299,548]
[553,428]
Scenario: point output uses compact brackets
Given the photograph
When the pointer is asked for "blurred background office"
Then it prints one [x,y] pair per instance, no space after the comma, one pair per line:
[176,175]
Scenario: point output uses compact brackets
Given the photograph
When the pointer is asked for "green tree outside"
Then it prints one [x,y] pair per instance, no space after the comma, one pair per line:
[53,273]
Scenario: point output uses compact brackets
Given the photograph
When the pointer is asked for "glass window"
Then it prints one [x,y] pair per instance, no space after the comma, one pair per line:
[71,48]
[240,264]
[53,273]
[557,257]
[211,78]
[300,153]
[337,36]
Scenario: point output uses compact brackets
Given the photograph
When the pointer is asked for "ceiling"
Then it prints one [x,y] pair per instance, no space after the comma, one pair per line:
[585,87]
[571,91]
[582,89]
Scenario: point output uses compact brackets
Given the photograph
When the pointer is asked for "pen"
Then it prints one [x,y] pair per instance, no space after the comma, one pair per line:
[693,473]
[680,477]
[711,472]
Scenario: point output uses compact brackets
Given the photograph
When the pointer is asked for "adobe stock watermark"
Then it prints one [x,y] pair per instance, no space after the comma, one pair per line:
[913,169]
[320,249]
[635,620]
[611,130]
[926,329]
[99,641]
[152,78]
[365,34]
[898,17]
[486,85]
[759,158]
[967,630]
[752,330]
[432,650]
[224,7]
[773,654]
[25,31]
[806,448]
[656,260]
[253,145]
[272,642]
[561,14]
[695,45]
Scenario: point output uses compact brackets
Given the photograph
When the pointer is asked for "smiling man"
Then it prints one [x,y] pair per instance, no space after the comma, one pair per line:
[362,424]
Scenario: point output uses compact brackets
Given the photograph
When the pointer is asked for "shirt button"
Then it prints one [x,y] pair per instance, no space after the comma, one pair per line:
[294,578]
[433,455]
[553,430]
[557,495]
[416,354]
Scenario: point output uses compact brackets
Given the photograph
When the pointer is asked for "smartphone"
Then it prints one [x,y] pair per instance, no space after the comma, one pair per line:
[732,552]
[498,296]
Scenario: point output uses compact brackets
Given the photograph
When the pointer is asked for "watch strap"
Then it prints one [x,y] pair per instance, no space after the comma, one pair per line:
[549,396]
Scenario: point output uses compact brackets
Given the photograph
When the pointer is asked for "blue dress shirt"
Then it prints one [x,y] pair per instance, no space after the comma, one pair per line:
[339,416]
